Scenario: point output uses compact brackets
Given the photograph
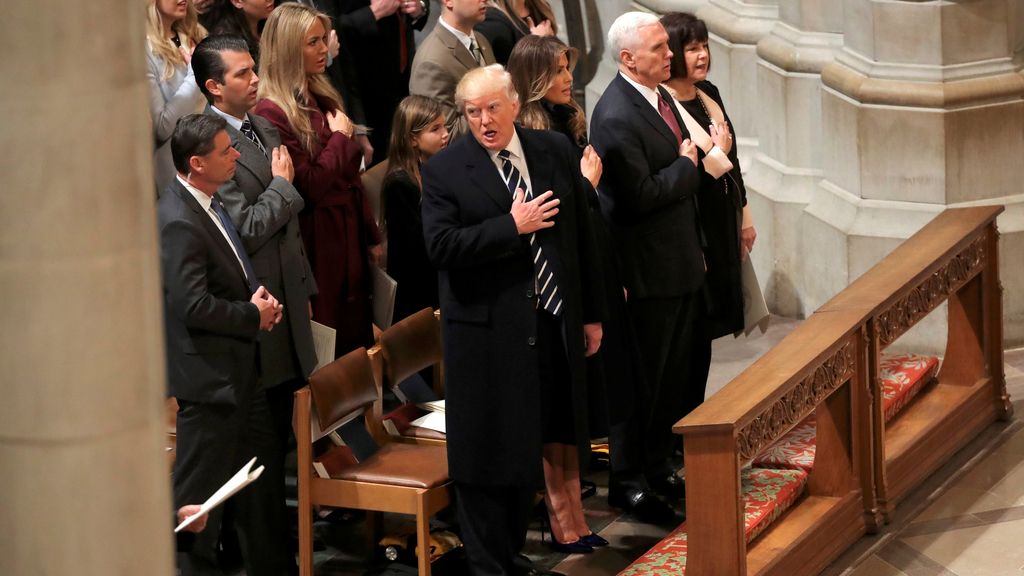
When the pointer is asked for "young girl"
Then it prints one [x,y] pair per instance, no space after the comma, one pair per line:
[417,133]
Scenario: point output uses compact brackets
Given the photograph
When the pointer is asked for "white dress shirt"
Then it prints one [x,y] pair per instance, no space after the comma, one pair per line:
[207,203]
[466,39]
[515,148]
[649,94]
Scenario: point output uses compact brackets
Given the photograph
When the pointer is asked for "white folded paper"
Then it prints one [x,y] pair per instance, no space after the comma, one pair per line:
[240,480]
[432,420]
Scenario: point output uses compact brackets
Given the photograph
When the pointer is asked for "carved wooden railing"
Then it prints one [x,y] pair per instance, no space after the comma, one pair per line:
[829,366]
[953,259]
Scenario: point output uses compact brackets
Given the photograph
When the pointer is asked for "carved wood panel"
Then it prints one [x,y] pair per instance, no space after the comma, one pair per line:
[795,405]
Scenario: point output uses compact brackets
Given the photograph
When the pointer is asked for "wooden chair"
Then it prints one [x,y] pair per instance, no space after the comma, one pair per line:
[409,346]
[398,478]
[373,181]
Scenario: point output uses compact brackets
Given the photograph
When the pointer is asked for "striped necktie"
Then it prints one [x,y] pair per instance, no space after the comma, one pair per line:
[547,287]
[249,133]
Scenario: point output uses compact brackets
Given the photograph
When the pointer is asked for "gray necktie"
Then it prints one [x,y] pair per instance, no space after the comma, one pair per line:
[477,53]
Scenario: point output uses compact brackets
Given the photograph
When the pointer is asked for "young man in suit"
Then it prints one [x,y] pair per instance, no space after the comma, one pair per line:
[264,207]
[214,310]
[450,50]
[505,222]
[650,181]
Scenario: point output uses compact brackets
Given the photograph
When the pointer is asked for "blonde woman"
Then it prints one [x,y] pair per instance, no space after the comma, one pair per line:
[417,133]
[172,32]
[340,235]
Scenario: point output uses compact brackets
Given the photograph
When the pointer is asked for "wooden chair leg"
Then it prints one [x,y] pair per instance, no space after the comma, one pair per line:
[422,535]
[305,537]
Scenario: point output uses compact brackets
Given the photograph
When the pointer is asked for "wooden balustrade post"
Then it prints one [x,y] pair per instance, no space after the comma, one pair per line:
[714,508]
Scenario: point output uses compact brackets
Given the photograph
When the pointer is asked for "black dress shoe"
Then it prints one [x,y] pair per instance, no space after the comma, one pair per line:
[669,485]
[644,505]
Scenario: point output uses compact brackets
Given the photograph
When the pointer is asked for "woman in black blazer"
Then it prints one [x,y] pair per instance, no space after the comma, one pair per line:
[417,133]
[541,69]
[724,216]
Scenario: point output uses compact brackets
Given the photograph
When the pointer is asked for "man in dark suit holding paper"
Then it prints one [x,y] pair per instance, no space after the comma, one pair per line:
[505,221]
[650,181]
[214,311]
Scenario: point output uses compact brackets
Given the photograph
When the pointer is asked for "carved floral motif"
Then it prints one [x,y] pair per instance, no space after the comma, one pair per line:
[796,404]
[934,290]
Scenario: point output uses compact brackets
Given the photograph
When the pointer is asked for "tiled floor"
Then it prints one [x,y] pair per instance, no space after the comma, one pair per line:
[966,520]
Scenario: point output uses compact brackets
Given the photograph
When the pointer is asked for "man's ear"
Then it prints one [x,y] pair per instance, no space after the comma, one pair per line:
[626,57]
[196,165]
[212,87]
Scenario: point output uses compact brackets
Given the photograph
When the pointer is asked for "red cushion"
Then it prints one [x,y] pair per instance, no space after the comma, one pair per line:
[766,495]
[903,376]
[794,450]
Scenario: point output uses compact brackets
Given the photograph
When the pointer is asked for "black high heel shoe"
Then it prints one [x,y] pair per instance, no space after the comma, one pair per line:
[580,546]
[593,540]
[577,547]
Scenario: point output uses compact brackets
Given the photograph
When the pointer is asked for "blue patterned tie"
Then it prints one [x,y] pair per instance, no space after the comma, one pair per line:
[236,241]
[249,133]
[547,287]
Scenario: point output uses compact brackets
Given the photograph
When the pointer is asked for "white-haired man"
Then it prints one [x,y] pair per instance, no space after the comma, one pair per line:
[505,222]
[649,184]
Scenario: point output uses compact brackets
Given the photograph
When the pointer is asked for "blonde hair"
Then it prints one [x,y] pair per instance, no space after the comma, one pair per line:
[414,115]
[189,31]
[533,65]
[484,80]
[283,78]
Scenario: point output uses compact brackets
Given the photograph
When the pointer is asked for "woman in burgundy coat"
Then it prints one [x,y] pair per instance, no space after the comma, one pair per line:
[338,229]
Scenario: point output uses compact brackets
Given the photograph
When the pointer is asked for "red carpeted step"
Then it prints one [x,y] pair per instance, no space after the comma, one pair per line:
[767,493]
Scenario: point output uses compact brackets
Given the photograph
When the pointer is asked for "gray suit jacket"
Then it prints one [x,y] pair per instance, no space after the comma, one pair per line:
[265,209]
[440,62]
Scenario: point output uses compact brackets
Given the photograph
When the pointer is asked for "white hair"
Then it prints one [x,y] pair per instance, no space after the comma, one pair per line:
[625,31]
[482,81]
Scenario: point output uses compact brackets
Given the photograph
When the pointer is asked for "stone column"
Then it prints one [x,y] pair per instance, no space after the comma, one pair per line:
[85,483]
[922,109]
[605,12]
[785,168]
[735,27]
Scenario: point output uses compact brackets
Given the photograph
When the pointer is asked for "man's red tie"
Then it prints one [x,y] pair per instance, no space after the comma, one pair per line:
[403,46]
[665,109]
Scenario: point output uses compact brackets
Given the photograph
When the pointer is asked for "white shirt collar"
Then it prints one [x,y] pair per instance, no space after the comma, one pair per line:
[235,123]
[515,148]
[649,94]
[204,200]
[466,39]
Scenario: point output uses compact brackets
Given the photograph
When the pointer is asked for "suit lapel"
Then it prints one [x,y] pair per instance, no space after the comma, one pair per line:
[252,159]
[484,174]
[458,49]
[646,111]
[215,234]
